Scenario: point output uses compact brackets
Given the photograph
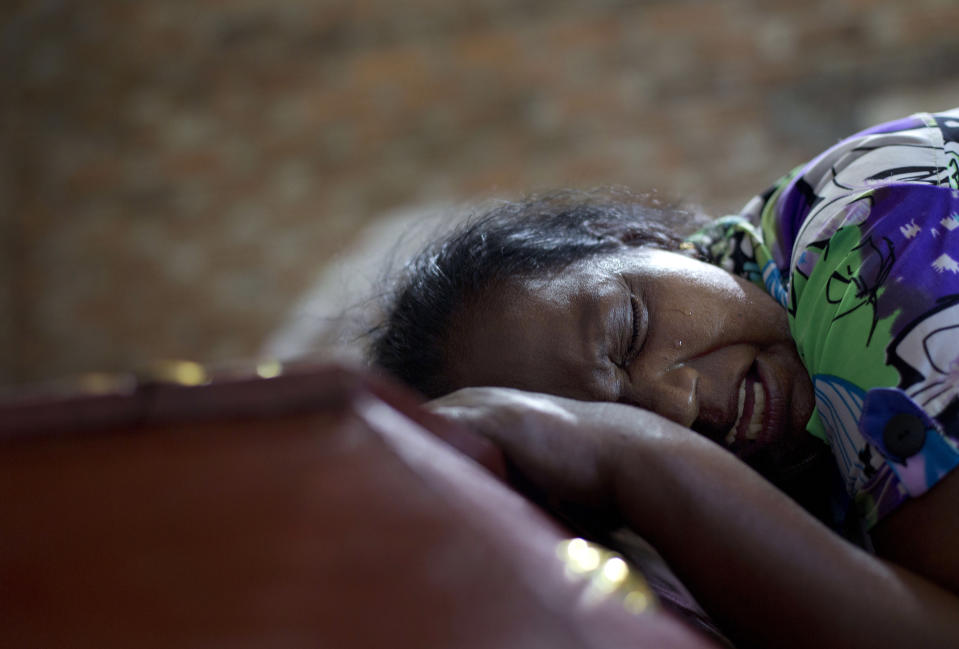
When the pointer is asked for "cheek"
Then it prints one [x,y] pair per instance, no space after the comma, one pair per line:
[701,302]
[724,296]
[758,313]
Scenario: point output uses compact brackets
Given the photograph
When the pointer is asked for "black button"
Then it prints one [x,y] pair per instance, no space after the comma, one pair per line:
[904,435]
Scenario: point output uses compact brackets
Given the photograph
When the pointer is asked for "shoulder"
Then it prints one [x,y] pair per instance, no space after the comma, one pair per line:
[920,150]
[865,237]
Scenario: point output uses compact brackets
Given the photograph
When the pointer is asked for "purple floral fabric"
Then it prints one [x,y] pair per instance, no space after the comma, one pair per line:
[861,247]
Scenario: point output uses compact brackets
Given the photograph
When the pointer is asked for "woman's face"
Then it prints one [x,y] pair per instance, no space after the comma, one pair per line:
[651,328]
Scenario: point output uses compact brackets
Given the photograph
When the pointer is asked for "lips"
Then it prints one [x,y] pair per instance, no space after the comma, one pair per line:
[751,410]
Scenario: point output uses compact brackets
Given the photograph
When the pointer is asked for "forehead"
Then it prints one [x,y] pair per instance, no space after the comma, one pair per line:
[577,282]
[547,334]
[599,274]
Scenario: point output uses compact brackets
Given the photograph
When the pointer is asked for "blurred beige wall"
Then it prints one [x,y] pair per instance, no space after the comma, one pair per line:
[174,175]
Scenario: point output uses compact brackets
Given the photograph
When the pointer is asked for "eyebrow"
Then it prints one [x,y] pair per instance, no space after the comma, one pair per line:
[605,319]
[628,326]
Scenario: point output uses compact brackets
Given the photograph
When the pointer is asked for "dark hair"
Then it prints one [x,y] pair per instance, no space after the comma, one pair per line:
[511,239]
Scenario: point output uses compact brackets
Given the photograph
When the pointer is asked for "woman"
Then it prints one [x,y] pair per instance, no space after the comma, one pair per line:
[836,321]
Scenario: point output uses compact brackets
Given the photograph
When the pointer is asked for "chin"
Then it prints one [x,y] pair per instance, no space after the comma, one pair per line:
[807,475]
[784,462]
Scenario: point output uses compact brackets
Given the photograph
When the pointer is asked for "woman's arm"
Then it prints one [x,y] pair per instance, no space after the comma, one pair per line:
[768,572]
[923,534]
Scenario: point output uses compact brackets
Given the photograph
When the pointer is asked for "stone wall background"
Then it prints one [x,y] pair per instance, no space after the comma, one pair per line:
[174,175]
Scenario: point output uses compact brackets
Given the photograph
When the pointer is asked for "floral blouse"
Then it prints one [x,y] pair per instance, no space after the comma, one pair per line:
[861,247]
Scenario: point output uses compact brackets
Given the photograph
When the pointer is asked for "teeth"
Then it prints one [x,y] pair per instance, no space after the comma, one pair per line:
[742,402]
[759,407]
[756,420]
[731,436]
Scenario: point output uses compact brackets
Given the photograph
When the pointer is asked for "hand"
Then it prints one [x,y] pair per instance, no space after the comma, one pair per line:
[564,447]
[768,572]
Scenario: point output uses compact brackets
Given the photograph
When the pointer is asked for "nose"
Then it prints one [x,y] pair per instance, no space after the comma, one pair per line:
[675,396]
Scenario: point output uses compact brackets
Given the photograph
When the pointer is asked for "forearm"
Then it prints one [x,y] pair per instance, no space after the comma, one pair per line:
[769,572]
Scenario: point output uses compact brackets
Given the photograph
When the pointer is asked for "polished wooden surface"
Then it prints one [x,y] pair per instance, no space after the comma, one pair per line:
[345,526]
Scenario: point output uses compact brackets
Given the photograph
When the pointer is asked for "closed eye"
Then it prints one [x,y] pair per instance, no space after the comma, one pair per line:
[638,322]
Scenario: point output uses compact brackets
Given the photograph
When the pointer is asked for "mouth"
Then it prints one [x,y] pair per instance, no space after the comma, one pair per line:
[751,410]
